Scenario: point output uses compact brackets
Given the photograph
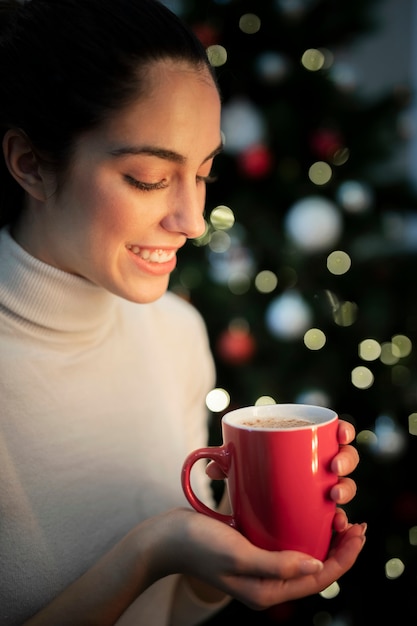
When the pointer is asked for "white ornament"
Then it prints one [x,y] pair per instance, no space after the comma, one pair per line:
[242,125]
[314,223]
[288,316]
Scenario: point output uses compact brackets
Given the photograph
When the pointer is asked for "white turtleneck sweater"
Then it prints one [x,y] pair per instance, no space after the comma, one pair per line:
[100,401]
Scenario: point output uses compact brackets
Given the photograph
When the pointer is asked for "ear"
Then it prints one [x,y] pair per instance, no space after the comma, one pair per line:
[23,163]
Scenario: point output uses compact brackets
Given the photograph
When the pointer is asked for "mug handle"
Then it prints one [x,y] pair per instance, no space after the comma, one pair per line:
[219,454]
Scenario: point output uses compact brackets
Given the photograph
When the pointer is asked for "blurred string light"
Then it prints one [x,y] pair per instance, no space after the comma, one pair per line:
[313,59]
[412,423]
[217,55]
[341,156]
[331,591]
[412,536]
[338,262]
[249,23]
[344,313]
[217,400]
[314,223]
[266,281]
[388,352]
[362,377]
[222,217]
[314,339]
[394,568]
[320,173]
[369,350]
[264,400]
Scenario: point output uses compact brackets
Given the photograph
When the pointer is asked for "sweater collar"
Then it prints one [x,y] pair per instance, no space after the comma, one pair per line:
[45,296]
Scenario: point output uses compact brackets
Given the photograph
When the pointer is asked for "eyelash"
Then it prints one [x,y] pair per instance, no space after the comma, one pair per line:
[162,184]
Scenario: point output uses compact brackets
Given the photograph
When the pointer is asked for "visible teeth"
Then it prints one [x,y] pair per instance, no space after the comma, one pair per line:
[155,256]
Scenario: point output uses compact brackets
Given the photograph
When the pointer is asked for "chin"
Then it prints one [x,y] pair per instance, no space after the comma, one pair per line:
[144,294]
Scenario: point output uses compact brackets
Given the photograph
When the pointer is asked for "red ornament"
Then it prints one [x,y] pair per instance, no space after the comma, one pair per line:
[325,143]
[256,161]
[235,346]
[206,34]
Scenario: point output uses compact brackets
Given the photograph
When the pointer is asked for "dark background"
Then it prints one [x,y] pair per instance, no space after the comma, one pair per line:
[280,118]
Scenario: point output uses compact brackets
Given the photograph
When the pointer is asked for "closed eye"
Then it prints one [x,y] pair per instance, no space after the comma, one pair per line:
[145,186]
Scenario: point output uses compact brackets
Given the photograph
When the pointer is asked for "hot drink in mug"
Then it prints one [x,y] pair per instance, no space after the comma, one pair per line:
[276,459]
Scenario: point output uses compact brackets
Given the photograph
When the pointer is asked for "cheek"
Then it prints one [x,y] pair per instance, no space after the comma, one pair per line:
[106,207]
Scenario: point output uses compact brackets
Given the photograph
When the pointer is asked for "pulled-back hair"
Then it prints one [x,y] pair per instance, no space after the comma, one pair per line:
[65,65]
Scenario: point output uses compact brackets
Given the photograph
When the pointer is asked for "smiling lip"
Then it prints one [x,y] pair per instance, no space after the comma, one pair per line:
[158,255]
[153,261]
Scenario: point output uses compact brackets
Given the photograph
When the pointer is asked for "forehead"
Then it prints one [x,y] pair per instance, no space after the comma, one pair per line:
[179,108]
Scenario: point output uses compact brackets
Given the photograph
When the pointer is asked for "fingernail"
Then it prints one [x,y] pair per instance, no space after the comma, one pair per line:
[337,467]
[364,526]
[311,566]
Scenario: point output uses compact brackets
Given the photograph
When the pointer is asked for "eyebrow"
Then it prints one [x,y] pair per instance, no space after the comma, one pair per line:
[161,153]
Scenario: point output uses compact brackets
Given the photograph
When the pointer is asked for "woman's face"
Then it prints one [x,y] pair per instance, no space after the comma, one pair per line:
[135,191]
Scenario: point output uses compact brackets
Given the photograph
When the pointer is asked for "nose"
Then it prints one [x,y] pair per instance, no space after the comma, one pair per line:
[186,210]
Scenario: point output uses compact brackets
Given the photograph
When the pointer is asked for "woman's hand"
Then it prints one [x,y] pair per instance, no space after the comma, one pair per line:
[219,555]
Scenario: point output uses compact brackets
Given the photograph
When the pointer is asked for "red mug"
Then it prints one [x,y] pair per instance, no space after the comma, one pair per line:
[276,459]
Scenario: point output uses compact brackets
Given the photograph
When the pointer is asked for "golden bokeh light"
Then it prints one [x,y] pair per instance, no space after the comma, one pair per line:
[366,438]
[314,339]
[362,377]
[394,568]
[390,353]
[217,55]
[320,173]
[222,217]
[217,400]
[403,344]
[369,350]
[412,536]
[331,591]
[345,314]
[265,400]
[249,23]
[412,423]
[266,281]
[313,60]
[338,262]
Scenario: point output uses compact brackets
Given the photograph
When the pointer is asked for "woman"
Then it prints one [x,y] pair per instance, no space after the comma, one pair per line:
[110,119]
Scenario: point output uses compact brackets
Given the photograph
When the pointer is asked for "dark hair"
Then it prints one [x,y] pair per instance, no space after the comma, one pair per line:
[65,65]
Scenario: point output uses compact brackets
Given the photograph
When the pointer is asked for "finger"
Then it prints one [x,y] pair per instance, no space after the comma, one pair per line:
[344,491]
[345,461]
[340,521]
[341,560]
[214,472]
[345,432]
[273,586]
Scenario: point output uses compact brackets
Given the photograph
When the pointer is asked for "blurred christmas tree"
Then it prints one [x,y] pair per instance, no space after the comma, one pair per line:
[305,275]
